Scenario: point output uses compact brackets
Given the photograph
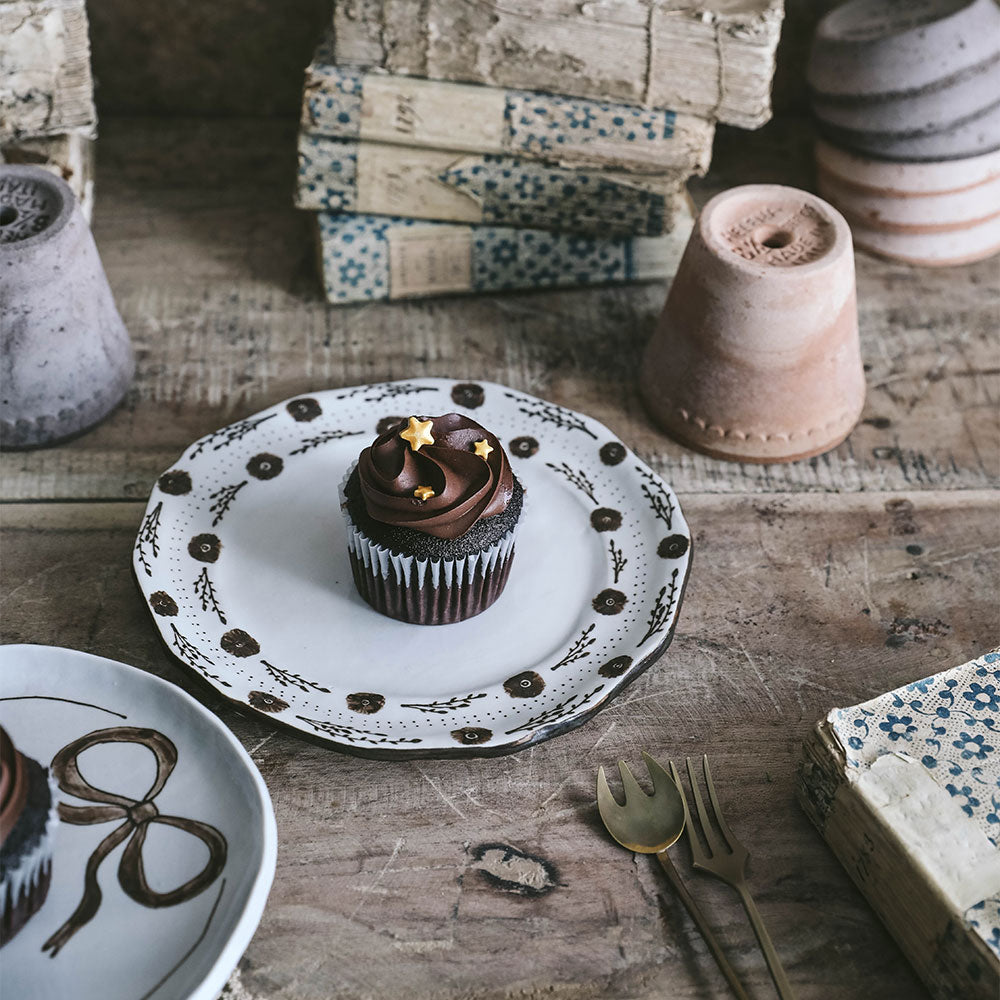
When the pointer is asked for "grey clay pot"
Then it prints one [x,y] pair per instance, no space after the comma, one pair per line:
[909,79]
[66,356]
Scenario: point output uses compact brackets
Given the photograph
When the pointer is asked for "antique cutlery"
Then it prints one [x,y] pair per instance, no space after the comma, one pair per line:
[726,858]
[649,824]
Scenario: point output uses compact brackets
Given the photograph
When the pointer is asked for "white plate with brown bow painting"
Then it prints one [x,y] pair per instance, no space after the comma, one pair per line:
[166,845]
[242,559]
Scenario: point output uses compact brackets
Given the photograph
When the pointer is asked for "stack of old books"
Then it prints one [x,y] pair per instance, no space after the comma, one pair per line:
[47,114]
[531,143]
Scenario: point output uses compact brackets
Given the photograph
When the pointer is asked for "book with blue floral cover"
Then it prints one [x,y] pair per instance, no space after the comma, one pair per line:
[375,178]
[905,788]
[346,102]
[369,257]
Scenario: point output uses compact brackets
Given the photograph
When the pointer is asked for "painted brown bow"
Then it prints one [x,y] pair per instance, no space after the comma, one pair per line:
[137,816]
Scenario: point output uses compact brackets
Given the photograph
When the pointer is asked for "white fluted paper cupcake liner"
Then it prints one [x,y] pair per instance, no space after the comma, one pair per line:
[426,591]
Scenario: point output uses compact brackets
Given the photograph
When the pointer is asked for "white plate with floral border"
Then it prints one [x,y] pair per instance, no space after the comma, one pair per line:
[242,559]
[166,846]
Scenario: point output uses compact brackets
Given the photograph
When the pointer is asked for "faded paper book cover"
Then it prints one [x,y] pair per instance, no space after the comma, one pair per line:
[346,102]
[46,88]
[905,789]
[713,59]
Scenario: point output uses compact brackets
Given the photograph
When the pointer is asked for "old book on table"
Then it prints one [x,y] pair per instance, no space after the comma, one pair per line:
[70,157]
[347,102]
[368,257]
[45,82]
[714,59]
[451,186]
[905,788]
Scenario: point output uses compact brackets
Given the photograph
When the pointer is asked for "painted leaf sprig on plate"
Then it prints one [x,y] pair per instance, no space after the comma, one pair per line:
[353,735]
[550,413]
[384,391]
[663,607]
[659,498]
[229,435]
[579,648]
[148,546]
[575,477]
[444,707]
[241,557]
[287,678]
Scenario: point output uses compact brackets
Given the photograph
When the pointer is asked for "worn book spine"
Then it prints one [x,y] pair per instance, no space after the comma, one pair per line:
[369,257]
[451,186]
[70,157]
[871,831]
[46,87]
[713,58]
[348,103]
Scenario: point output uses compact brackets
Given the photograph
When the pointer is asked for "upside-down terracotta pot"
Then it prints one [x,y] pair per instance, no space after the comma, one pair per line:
[66,356]
[756,355]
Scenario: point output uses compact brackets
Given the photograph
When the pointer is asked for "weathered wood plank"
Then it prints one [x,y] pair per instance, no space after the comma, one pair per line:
[215,276]
[797,602]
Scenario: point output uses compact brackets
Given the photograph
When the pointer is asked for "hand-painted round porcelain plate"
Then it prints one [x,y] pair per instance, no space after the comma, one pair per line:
[243,561]
[165,850]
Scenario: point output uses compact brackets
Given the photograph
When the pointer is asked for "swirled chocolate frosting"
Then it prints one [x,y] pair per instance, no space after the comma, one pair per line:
[467,488]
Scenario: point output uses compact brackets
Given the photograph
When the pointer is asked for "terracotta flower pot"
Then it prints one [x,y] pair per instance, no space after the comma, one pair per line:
[756,355]
[913,80]
[67,359]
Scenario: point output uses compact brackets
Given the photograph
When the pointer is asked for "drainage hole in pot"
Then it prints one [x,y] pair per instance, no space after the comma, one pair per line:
[772,237]
[7,215]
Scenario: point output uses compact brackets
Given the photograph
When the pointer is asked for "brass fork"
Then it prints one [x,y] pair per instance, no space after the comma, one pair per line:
[649,824]
[726,858]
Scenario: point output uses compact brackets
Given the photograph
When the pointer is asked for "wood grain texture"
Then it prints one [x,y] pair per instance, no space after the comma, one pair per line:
[413,879]
[215,277]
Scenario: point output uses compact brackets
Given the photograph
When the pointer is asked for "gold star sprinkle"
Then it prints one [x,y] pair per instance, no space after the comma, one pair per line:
[418,433]
[423,493]
[483,449]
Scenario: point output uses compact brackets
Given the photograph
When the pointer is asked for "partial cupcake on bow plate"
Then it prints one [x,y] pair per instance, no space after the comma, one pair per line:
[432,509]
[28,819]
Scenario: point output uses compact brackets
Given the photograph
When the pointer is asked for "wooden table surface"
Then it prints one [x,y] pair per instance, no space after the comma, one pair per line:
[816,584]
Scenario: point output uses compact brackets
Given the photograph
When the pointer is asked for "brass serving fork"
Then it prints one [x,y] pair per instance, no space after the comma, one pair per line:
[726,858]
[649,824]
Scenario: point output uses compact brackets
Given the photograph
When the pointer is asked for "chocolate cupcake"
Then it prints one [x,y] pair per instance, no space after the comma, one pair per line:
[432,509]
[27,823]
